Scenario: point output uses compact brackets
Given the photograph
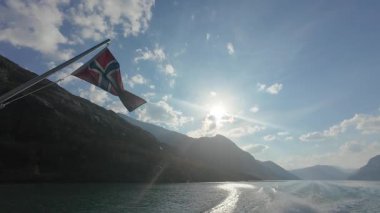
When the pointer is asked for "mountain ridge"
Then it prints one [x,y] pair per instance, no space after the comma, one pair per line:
[199,149]
[321,172]
[370,171]
[53,135]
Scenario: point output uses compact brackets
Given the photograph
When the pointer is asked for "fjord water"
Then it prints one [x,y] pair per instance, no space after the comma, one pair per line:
[287,196]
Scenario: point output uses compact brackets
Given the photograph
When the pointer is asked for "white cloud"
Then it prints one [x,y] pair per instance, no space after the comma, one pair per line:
[213,94]
[254,109]
[100,18]
[230,48]
[166,97]
[149,95]
[35,25]
[284,136]
[269,137]
[352,146]
[169,70]
[152,86]
[364,124]
[367,124]
[208,36]
[136,79]
[312,136]
[282,133]
[273,89]
[255,148]
[227,126]
[94,94]
[261,87]
[243,130]
[209,128]
[161,113]
[38,24]
[357,137]
[212,126]
[157,55]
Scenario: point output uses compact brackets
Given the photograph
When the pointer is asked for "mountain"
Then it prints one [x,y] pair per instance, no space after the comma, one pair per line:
[216,152]
[321,172]
[371,171]
[163,135]
[53,135]
[280,172]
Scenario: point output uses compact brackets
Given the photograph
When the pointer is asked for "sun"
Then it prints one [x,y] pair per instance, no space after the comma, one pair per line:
[218,111]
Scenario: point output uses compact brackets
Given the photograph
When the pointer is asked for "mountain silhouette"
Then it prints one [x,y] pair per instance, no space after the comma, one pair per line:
[53,135]
[371,171]
[217,152]
[321,172]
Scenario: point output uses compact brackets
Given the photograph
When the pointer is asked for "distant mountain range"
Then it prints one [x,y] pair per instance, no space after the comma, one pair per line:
[371,171]
[53,135]
[322,172]
[216,152]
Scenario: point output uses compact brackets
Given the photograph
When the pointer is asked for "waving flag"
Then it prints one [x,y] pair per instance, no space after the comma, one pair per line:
[104,71]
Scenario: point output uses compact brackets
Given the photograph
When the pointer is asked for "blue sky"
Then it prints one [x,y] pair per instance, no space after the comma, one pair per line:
[295,82]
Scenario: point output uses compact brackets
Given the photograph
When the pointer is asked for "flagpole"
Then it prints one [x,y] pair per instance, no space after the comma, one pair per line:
[39,78]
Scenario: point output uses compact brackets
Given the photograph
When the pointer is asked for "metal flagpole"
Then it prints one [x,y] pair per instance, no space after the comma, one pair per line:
[37,79]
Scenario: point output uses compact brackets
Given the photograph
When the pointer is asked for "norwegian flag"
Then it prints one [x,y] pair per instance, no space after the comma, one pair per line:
[104,71]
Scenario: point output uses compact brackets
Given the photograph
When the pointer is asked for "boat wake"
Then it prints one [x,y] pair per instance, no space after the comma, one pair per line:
[295,196]
[228,205]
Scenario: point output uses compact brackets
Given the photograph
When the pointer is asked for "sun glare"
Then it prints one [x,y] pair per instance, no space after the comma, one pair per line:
[218,111]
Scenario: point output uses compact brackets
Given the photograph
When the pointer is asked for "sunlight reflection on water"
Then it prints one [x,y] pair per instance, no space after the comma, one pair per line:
[228,205]
[299,196]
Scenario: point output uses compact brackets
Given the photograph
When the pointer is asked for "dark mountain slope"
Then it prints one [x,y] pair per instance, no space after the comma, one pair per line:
[371,171]
[53,135]
[166,136]
[280,172]
[216,152]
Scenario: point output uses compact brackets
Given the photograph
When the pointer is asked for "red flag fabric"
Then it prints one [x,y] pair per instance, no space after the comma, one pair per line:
[104,71]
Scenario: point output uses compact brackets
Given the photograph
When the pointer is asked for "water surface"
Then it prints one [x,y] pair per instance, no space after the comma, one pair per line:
[287,196]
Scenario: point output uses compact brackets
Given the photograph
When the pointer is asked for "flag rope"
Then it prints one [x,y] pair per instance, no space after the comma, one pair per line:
[34,91]
[10,94]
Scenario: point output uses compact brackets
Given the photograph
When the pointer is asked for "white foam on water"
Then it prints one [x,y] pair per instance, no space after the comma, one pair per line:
[284,202]
[286,197]
[229,203]
[274,190]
